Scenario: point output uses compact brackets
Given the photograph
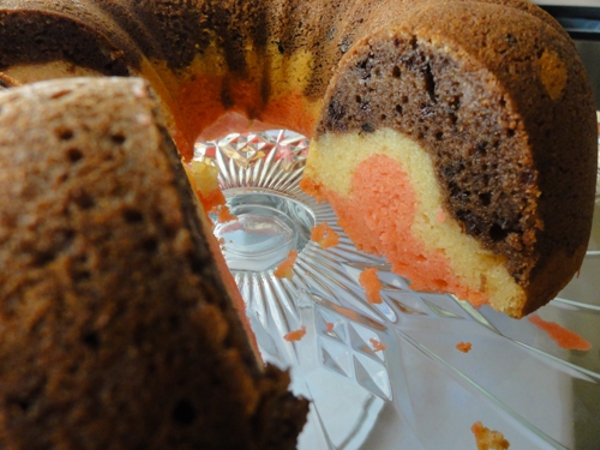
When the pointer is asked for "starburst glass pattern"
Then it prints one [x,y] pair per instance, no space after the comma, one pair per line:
[389,375]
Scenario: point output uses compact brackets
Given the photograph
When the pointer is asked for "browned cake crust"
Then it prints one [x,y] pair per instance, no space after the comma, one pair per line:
[116,330]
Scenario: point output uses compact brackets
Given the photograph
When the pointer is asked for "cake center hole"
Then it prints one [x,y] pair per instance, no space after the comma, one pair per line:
[267,227]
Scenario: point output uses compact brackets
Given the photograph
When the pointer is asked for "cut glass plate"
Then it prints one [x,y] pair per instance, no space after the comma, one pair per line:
[419,392]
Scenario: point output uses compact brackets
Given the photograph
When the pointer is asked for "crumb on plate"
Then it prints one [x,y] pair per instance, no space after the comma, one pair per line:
[370,282]
[377,346]
[464,347]
[487,439]
[323,235]
[563,337]
[296,335]
[286,268]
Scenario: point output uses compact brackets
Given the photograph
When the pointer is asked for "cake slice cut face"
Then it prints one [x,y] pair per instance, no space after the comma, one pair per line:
[119,328]
[392,206]
[434,155]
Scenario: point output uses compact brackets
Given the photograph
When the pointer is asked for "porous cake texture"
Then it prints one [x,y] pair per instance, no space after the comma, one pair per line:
[117,329]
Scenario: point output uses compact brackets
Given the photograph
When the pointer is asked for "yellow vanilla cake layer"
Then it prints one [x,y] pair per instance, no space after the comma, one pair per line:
[382,182]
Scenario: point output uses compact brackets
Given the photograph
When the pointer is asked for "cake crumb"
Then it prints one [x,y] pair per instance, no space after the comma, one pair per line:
[464,347]
[563,337]
[204,179]
[370,282]
[487,439]
[225,214]
[286,268]
[329,327]
[296,335]
[323,235]
[377,346]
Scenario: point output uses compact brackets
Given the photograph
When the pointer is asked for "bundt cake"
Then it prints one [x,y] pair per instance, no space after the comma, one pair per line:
[457,138]
[117,330]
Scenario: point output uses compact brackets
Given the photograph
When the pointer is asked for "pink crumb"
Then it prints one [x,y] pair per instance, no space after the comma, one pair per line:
[377,346]
[464,347]
[296,335]
[563,337]
[370,282]
[286,268]
[323,235]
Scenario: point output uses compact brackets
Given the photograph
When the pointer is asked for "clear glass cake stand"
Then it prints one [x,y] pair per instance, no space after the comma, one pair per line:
[420,392]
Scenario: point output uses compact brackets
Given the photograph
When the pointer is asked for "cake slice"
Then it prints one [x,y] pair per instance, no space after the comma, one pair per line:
[118,327]
[463,149]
